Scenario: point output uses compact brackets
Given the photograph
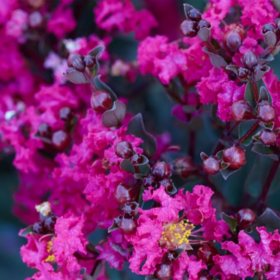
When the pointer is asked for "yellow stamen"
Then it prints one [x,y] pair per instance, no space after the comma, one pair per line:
[176,235]
[50,257]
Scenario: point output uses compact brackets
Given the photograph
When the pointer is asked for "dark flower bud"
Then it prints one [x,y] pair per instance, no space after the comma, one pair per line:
[60,140]
[235,157]
[183,167]
[211,165]
[101,101]
[168,186]
[148,181]
[38,228]
[124,150]
[240,110]
[44,131]
[127,224]
[266,112]
[243,73]
[137,159]
[189,28]
[49,223]
[76,61]
[268,137]
[206,252]
[123,193]
[250,60]
[203,24]
[245,217]
[89,61]
[233,40]
[65,114]
[161,170]
[194,14]
[130,208]
[164,272]
[268,27]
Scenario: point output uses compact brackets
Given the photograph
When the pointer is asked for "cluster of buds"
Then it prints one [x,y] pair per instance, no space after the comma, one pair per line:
[60,139]
[231,158]
[80,62]
[161,176]
[47,219]
[194,24]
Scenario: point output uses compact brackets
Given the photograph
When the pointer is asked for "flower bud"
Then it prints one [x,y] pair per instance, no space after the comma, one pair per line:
[89,61]
[60,140]
[130,208]
[38,228]
[164,272]
[203,24]
[65,114]
[127,224]
[194,14]
[240,110]
[268,27]
[268,137]
[137,159]
[124,150]
[76,61]
[243,73]
[161,170]
[101,101]
[183,167]
[250,60]
[44,130]
[235,156]
[266,112]
[49,223]
[189,28]
[211,165]
[123,193]
[168,186]
[245,217]
[233,40]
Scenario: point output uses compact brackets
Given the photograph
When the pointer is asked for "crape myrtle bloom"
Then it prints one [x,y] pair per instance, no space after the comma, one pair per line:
[248,258]
[121,16]
[184,223]
[56,246]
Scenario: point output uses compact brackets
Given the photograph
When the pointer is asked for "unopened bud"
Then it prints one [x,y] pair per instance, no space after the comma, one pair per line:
[250,60]
[235,157]
[266,112]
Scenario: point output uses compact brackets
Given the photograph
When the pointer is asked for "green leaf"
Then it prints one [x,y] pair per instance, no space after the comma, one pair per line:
[270,219]
[75,76]
[226,173]
[232,222]
[262,150]
[249,96]
[136,127]
[216,59]
[24,232]
[265,95]
[114,116]
[100,85]
[243,128]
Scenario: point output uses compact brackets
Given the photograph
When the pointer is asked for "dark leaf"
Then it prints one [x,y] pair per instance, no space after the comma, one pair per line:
[115,115]
[217,60]
[75,76]
[270,219]
[249,96]
[187,7]
[100,85]
[127,166]
[259,71]
[136,127]
[24,232]
[262,150]
[232,223]
[265,95]
[226,173]
[204,34]
[97,51]
[276,4]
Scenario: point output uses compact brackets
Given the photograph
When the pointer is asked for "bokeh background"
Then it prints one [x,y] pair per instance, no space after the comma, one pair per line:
[146,95]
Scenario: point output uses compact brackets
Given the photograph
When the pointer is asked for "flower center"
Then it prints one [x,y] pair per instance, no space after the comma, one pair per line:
[176,235]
